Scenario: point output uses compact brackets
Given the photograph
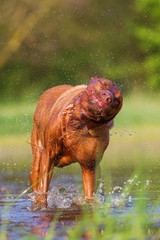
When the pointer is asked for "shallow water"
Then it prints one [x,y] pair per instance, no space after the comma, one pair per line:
[66,201]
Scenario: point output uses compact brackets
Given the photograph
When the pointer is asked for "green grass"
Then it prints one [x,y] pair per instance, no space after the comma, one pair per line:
[136,130]
[137,110]
[16,119]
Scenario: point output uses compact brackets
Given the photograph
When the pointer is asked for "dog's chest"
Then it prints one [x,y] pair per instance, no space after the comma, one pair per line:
[85,144]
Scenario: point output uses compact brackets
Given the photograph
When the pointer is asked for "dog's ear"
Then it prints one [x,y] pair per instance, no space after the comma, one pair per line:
[96,77]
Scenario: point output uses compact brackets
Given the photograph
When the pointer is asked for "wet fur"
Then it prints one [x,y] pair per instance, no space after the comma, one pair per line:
[70,127]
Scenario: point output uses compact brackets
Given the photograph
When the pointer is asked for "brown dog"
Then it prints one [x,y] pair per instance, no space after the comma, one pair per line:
[71,124]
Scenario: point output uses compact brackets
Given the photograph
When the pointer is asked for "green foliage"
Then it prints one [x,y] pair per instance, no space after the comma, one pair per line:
[70,42]
[148,36]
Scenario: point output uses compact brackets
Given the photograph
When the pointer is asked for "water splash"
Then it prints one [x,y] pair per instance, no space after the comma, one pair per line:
[64,195]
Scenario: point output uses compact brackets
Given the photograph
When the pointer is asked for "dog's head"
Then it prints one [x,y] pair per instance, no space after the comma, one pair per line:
[102,100]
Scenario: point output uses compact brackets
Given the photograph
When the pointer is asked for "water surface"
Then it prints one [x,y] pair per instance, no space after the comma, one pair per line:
[65,198]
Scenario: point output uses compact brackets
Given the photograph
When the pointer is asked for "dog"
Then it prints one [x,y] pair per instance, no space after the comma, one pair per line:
[71,124]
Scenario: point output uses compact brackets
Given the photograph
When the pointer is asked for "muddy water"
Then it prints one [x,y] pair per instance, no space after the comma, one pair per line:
[65,198]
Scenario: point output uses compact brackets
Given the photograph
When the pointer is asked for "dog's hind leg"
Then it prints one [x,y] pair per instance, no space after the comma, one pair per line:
[41,169]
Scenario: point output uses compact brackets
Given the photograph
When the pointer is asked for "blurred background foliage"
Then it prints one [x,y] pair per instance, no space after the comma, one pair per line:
[46,43]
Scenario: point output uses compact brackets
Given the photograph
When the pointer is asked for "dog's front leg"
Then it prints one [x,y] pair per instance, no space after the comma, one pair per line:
[88,176]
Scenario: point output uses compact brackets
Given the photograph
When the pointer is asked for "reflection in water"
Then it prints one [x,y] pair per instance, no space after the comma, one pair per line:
[59,219]
[65,204]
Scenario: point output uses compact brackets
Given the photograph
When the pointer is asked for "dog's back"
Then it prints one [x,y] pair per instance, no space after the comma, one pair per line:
[46,103]
[51,102]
